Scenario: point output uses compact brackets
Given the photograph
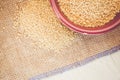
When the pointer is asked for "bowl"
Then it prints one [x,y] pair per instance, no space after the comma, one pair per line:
[77,28]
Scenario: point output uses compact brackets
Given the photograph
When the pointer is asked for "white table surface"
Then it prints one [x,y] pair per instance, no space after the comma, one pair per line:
[105,68]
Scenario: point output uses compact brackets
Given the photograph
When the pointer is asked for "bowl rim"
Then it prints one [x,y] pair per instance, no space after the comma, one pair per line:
[97,30]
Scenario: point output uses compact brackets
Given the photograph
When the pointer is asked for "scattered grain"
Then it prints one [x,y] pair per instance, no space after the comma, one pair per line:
[35,20]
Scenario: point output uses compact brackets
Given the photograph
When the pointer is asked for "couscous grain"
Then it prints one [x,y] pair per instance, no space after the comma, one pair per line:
[36,21]
[90,13]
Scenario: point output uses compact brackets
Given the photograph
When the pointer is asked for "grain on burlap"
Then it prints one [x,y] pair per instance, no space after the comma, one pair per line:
[21,57]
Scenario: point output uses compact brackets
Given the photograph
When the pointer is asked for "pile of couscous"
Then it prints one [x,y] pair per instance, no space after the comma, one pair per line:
[90,13]
[35,20]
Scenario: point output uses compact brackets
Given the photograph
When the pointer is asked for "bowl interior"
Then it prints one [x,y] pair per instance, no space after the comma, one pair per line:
[90,30]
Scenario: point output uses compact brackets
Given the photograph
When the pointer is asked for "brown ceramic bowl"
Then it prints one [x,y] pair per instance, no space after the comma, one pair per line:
[80,29]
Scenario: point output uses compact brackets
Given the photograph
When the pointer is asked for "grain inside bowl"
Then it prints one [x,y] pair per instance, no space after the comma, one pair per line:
[90,13]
